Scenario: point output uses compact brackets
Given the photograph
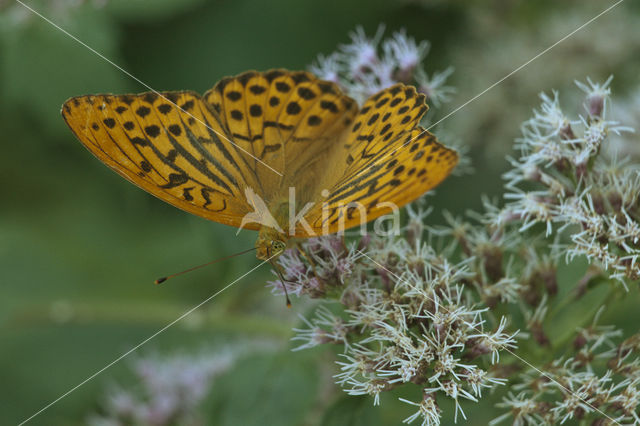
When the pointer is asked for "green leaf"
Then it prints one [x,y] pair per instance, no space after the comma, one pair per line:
[265,390]
[42,66]
[352,411]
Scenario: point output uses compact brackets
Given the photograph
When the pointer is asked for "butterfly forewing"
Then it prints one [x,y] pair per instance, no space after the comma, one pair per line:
[388,159]
[170,144]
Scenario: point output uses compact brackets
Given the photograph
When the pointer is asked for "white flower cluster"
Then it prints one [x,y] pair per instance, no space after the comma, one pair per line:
[571,388]
[363,67]
[414,312]
[593,198]
[168,392]
[406,318]
[598,51]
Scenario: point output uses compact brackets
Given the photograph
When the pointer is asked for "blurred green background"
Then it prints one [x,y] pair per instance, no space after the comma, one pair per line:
[80,247]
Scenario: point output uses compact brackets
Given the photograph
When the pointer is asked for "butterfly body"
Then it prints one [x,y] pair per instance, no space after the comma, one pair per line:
[279,152]
[270,243]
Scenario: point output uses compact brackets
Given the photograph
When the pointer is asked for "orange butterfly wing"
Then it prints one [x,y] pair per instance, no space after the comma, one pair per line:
[170,144]
[388,158]
[290,120]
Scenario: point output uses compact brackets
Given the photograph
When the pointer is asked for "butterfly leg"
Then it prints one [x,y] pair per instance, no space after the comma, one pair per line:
[283,281]
[307,256]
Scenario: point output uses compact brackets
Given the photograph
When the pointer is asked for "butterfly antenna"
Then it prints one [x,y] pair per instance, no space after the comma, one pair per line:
[163,279]
[284,285]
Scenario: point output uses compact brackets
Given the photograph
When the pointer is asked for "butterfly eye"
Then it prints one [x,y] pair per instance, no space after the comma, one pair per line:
[278,246]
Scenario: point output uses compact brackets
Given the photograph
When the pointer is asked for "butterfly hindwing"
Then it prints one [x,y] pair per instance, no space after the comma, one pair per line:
[170,144]
[382,119]
[389,159]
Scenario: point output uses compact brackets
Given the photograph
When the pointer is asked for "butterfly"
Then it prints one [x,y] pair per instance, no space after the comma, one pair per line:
[239,153]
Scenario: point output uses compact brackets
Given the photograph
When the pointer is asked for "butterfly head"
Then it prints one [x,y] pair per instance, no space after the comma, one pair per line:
[270,244]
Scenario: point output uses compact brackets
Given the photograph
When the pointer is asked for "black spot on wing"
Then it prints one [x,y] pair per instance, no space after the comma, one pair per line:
[278,125]
[245,77]
[150,97]
[326,87]
[233,95]
[329,105]
[186,193]
[236,114]
[272,75]
[306,93]
[270,148]
[314,120]
[373,119]
[171,97]
[175,129]
[222,84]
[256,89]
[255,110]
[175,179]
[293,108]
[172,155]
[382,102]
[282,87]
[139,141]
[299,77]
[188,105]
[152,131]
[143,111]
[164,108]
